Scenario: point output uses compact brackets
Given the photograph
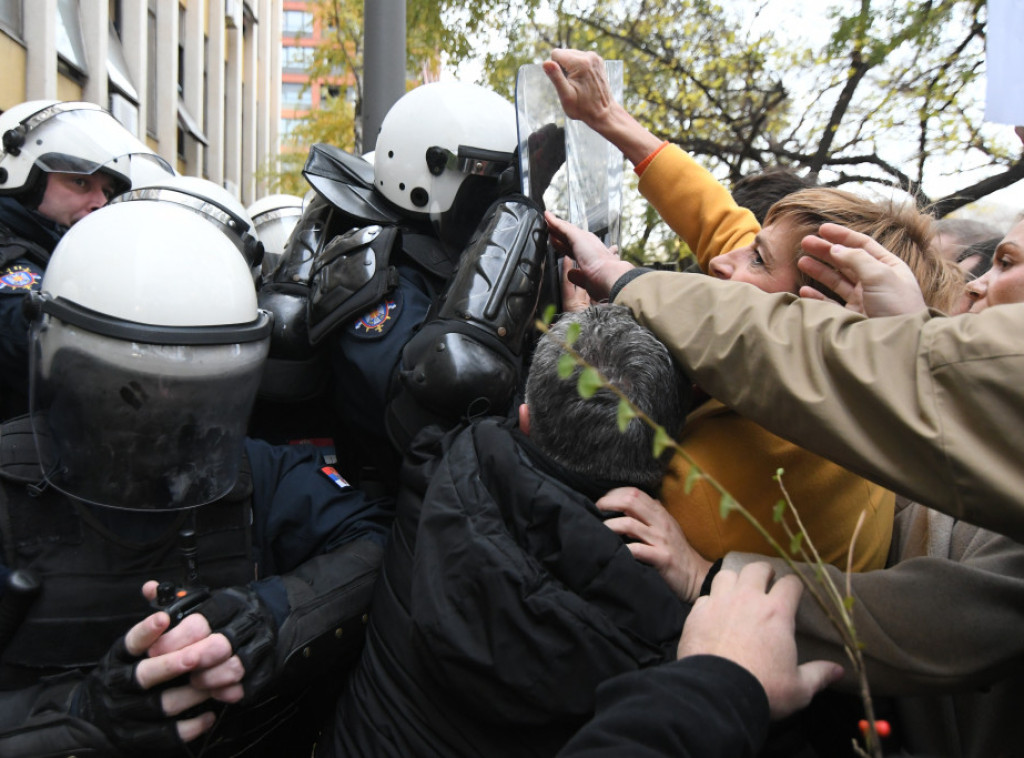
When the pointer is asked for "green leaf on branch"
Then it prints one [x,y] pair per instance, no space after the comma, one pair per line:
[572,333]
[848,603]
[726,506]
[661,441]
[549,315]
[692,476]
[566,365]
[794,544]
[589,383]
[778,511]
[624,415]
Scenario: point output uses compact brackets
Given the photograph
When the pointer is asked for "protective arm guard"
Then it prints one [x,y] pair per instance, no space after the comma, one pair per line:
[329,597]
[294,370]
[467,358]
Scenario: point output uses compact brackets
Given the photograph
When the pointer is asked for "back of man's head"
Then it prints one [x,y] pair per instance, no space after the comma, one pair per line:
[583,434]
[761,190]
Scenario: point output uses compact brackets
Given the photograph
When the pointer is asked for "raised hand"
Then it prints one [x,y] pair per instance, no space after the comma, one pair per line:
[581,82]
[868,277]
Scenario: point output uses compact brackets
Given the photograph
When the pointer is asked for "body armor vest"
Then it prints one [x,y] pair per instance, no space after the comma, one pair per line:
[13,247]
[92,561]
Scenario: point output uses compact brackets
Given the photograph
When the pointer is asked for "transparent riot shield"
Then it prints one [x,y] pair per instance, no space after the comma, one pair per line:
[565,165]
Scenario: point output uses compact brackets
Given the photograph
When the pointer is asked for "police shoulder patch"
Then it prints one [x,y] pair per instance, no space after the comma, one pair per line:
[379,320]
[19,277]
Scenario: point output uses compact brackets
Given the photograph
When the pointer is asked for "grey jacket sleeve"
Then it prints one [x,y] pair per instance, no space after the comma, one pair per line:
[946,616]
[926,405]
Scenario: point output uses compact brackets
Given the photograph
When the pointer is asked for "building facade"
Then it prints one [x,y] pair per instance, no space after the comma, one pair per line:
[198,80]
[303,30]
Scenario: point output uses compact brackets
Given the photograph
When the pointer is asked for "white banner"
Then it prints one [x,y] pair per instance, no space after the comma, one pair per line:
[1004,93]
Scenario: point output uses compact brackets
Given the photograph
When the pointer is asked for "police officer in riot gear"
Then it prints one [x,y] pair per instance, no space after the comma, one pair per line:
[274,217]
[147,349]
[411,283]
[58,162]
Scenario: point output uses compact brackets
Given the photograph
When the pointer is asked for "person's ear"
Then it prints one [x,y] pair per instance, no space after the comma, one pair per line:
[524,418]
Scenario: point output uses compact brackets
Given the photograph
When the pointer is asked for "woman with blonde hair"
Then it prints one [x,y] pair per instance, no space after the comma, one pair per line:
[729,244]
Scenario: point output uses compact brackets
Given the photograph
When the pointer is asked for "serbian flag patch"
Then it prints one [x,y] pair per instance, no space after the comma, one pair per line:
[332,473]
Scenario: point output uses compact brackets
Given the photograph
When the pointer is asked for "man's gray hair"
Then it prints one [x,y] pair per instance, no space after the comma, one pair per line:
[583,434]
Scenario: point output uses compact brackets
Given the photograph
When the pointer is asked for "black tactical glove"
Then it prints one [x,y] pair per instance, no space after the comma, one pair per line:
[132,718]
[240,615]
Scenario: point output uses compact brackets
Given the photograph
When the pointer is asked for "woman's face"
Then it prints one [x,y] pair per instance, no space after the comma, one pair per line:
[1004,282]
[769,263]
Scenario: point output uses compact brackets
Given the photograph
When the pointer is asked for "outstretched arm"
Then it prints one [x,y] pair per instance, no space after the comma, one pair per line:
[737,665]
[692,202]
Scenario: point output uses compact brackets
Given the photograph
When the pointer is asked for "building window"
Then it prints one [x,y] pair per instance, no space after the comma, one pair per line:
[70,47]
[286,128]
[125,111]
[296,60]
[296,96]
[117,67]
[297,24]
[115,15]
[10,16]
[181,51]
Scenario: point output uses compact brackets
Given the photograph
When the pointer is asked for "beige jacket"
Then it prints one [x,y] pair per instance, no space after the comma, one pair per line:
[927,405]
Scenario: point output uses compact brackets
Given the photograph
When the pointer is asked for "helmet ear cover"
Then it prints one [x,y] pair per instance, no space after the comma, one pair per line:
[437,159]
[13,139]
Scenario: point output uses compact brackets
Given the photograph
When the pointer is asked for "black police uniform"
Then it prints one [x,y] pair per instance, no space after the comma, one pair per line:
[393,326]
[306,542]
[26,240]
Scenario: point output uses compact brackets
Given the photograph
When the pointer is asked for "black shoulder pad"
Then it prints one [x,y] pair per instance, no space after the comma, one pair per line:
[346,182]
[350,274]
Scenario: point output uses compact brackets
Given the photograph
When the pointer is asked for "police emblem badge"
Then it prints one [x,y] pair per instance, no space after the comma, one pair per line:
[19,278]
[378,320]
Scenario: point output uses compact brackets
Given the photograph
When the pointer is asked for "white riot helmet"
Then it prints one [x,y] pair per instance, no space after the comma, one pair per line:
[147,349]
[47,136]
[274,217]
[209,200]
[443,145]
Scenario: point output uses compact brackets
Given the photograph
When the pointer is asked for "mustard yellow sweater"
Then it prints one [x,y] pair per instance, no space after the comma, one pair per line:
[740,454]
